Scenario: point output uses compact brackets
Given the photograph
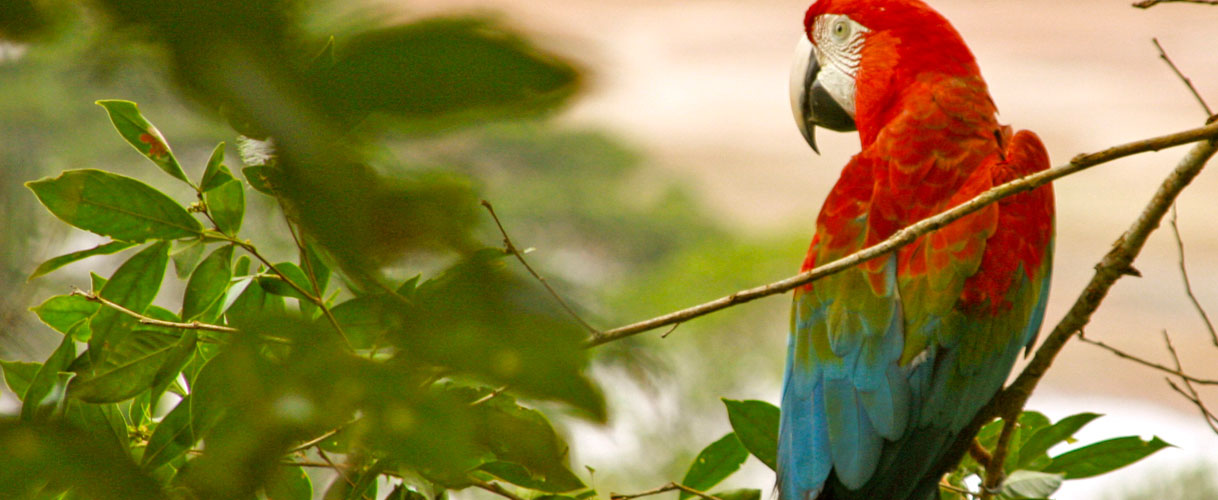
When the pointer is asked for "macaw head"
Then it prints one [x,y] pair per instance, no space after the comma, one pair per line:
[856,56]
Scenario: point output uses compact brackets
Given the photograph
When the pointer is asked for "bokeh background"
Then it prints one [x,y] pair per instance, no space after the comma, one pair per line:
[677,176]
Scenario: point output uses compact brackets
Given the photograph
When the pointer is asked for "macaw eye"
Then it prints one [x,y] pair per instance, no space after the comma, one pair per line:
[841,30]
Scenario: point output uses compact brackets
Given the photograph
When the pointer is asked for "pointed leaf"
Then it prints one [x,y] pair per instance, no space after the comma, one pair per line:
[279,287]
[208,283]
[1104,456]
[103,421]
[142,136]
[45,381]
[173,435]
[1030,484]
[756,425]
[289,483]
[714,464]
[215,174]
[260,178]
[61,312]
[226,204]
[1040,442]
[18,375]
[741,494]
[115,206]
[518,475]
[63,260]
[128,369]
[134,285]
[186,255]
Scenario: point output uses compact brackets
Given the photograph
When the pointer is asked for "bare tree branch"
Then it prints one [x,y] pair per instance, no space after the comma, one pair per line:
[913,231]
[497,489]
[1191,393]
[1188,287]
[666,488]
[1146,4]
[1112,267]
[510,248]
[145,320]
[1144,362]
[1187,83]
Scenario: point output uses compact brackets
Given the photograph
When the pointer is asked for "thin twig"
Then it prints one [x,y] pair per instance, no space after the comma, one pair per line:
[314,299]
[317,440]
[1191,395]
[510,248]
[489,396]
[145,320]
[1012,399]
[663,489]
[953,488]
[497,489]
[1146,4]
[994,471]
[1187,83]
[1141,361]
[340,470]
[979,453]
[913,231]
[1188,287]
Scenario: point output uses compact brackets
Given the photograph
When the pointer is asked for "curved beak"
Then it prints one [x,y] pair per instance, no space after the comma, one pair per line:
[811,102]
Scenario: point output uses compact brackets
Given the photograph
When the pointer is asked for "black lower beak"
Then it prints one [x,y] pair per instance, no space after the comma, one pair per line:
[816,107]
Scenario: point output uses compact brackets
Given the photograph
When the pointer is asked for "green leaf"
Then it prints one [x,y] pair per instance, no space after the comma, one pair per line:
[740,494]
[272,284]
[261,178]
[96,281]
[186,255]
[455,69]
[1029,423]
[208,283]
[714,464]
[289,483]
[518,475]
[175,360]
[38,454]
[1104,456]
[115,206]
[1045,438]
[522,436]
[18,375]
[1029,484]
[61,312]
[46,380]
[63,260]
[254,303]
[365,320]
[134,285]
[129,368]
[226,204]
[175,434]
[103,421]
[142,136]
[756,425]
[215,174]
[477,318]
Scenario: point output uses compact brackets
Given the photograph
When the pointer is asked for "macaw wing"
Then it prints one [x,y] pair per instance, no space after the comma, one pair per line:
[889,360]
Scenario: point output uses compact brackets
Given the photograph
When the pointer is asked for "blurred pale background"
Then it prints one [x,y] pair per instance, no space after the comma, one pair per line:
[698,89]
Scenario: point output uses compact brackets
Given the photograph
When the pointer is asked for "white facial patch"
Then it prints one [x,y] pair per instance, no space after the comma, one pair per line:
[839,43]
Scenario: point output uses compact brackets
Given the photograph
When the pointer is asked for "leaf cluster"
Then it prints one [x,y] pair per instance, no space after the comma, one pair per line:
[272,365]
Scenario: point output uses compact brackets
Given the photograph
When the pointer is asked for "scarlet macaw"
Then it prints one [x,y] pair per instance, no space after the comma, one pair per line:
[889,360]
